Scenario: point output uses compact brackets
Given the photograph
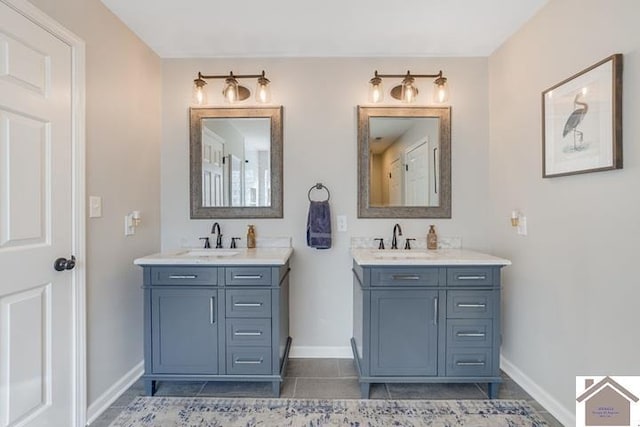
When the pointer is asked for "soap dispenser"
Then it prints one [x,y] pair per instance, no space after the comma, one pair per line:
[432,238]
[251,237]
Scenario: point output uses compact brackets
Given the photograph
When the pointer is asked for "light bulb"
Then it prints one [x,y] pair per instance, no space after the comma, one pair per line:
[230,91]
[263,92]
[199,94]
[441,93]
[409,91]
[376,90]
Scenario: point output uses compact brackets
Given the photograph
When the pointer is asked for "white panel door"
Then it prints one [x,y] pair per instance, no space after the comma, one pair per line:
[212,169]
[417,175]
[36,302]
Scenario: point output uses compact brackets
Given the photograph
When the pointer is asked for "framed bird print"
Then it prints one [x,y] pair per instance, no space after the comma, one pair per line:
[582,121]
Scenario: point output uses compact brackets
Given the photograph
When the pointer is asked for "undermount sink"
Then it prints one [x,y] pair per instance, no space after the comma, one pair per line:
[209,253]
[399,254]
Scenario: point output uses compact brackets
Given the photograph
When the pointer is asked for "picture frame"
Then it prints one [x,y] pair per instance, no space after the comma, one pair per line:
[582,121]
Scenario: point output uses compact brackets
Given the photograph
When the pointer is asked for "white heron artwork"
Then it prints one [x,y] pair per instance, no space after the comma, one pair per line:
[575,118]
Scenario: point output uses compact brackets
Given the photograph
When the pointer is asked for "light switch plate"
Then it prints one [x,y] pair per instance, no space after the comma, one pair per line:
[342,222]
[129,229]
[522,225]
[95,207]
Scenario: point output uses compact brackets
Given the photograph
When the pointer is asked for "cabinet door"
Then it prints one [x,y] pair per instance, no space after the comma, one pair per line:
[404,332]
[184,331]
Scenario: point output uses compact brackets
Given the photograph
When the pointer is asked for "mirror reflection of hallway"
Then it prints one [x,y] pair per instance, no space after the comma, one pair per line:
[402,172]
[236,162]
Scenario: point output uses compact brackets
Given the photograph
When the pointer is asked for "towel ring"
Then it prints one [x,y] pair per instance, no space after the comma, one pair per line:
[319,186]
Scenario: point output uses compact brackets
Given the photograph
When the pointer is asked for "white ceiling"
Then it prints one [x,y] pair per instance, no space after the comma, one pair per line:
[304,28]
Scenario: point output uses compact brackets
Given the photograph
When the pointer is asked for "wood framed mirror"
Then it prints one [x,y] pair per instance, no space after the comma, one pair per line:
[236,162]
[404,162]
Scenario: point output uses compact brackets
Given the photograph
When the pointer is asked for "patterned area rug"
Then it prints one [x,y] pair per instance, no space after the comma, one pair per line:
[214,412]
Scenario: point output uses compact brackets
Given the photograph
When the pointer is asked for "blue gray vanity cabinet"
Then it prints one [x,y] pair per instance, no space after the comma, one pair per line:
[424,324]
[216,323]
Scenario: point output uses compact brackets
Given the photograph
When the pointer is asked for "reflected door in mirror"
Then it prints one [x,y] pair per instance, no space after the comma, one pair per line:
[212,169]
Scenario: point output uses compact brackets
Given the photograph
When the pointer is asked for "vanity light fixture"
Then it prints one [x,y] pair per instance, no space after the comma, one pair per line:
[407,91]
[233,91]
[131,221]
[519,222]
[515,216]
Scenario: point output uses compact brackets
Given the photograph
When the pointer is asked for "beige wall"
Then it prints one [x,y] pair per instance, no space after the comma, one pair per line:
[122,163]
[570,298]
[320,98]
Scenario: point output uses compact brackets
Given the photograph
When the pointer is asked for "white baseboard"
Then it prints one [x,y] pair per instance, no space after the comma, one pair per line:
[103,402]
[299,352]
[555,408]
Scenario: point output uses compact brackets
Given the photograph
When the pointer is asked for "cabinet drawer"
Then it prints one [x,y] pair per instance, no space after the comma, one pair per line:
[205,276]
[469,362]
[248,360]
[470,276]
[248,303]
[419,276]
[249,332]
[469,333]
[471,304]
[249,276]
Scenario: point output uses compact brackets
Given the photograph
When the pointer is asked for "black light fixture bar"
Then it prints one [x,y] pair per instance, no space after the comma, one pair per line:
[400,76]
[230,75]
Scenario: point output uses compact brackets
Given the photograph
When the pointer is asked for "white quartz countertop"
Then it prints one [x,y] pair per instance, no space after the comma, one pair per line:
[424,257]
[198,256]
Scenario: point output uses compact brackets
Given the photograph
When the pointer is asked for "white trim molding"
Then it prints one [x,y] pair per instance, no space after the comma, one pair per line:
[103,402]
[312,352]
[555,408]
[77,46]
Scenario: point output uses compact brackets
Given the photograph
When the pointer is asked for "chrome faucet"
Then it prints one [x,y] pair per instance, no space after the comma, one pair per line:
[215,227]
[394,240]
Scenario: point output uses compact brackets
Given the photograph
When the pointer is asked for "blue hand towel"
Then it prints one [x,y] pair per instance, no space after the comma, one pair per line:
[319,225]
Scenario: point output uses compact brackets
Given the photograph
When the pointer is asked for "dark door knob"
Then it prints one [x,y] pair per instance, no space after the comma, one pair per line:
[62,264]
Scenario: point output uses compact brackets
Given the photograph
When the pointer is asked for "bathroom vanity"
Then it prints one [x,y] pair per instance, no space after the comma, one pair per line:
[216,315]
[426,316]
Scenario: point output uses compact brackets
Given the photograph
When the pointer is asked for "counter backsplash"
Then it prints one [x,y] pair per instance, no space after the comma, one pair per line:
[419,243]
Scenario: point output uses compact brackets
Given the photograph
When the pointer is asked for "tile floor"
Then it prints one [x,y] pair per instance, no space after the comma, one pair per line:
[322,379]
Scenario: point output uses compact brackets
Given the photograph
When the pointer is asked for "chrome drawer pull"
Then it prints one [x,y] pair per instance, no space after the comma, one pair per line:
[472,277]
[470,363]
[247,334]
[465,305]
[248,276]
[248,361]
[183,276]
[470,334]
[405,277]
[247,304]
